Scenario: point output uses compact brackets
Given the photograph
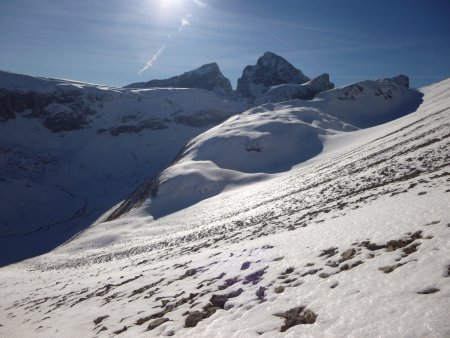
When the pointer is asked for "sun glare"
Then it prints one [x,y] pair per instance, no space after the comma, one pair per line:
[170,4]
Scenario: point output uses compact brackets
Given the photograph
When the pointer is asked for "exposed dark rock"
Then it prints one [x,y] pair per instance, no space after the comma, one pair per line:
[121,330]
[61,110]
[260,292]
[334,285]
[410,249]
[254,277]
[229,282]
[220,300]
[390,268]
[296,316]
[393,245]
[209,309]
[245,265]
[428,291]
[98,320]
[189,273]
[288,271]
[157,322]
[270,70]
[324,275]
[330,252]
[193,318]
[347,254]
[207,77]
[103,328]
[402,80]
[279,289]
[310,272]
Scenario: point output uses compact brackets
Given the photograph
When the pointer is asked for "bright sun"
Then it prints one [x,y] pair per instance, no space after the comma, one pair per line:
[170,4]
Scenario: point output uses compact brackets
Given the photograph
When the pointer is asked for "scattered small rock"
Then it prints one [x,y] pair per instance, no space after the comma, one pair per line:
[278,259]
[329,252]
[229,282]
[410,249]
[260,292]
[193,318]
[428,291]
[104,328]
[220,300]
[390,268]
[324,275]
[157,322]
[189,273]
[347,254]
[245,265]
[288,271]
[121,330]
[279,289]
[296,316]
[100,319]
[310,272]
[254,277]
[335,284]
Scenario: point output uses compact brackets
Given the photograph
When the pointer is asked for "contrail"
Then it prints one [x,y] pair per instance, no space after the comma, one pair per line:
[153,58]
[184,21]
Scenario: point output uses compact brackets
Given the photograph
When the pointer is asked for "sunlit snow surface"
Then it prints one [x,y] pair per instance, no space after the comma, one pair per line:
[359,235]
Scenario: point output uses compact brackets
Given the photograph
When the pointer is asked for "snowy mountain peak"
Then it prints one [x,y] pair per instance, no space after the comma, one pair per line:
[270,70]
[207,77]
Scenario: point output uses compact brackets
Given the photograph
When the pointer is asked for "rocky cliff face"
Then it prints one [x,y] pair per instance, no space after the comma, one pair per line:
[207,77]
[58,111]
[270,70]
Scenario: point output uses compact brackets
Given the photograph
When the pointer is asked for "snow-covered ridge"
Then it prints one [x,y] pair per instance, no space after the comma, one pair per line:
[292,91]
[70,151]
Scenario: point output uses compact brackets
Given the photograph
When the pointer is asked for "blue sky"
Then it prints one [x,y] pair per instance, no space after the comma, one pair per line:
[109,42]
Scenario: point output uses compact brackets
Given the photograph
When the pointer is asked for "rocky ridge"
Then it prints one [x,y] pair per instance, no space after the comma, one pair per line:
[207,77]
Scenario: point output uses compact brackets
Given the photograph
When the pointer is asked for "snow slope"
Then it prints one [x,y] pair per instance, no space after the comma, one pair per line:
[70,151]
[353,242]
[264,140]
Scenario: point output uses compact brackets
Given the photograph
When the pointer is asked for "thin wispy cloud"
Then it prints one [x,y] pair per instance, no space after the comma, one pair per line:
[200,3]
[153,59]
[184,22]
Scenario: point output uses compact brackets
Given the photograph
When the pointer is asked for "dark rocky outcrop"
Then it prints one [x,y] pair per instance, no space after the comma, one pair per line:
[59,111]
[207,77]
[270,70]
